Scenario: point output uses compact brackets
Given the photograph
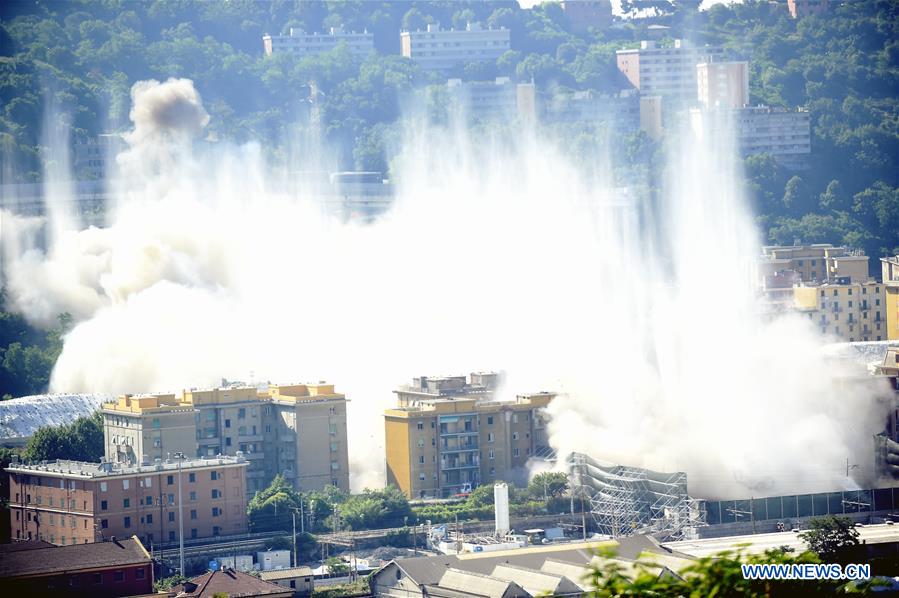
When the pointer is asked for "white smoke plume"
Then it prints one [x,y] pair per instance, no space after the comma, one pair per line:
[497,253]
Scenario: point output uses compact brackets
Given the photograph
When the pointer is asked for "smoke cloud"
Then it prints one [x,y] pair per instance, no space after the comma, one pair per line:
[497,253]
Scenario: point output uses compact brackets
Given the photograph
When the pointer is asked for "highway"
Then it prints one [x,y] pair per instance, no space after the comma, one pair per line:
[758,543]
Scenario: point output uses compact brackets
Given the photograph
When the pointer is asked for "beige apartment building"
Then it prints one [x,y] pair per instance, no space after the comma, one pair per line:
[667,71]
[438,49]
[70,502]
[819,263]
[850,311]
[447,435]
[298,430]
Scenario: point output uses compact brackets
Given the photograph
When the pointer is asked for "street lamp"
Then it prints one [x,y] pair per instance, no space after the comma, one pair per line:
[180,457]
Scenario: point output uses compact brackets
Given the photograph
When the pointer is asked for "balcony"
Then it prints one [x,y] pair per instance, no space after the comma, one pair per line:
[250,438]
[206,441]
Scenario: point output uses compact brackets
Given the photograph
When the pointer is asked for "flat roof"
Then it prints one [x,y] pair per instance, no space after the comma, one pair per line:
[82,469]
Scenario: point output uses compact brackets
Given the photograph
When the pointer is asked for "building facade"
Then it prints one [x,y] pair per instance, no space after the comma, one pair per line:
[781,133]
[723,84]
[669,72]
[70,502]
[439,50]
[301,44]
[298,430]
[446,435]
[890,276]
[812,263]
[499,100]
[849,311]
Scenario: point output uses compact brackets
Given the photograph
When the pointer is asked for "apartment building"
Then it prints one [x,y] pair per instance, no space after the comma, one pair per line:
[499,100]
[301,44]
[665,71]
[890,276]
[850,311]
[723,84]
[447,435]
[439,50]
[70,502]
[298,430]
[781,133]
[812,263]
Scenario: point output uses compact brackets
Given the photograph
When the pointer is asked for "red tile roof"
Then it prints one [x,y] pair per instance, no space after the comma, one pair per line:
[228,581]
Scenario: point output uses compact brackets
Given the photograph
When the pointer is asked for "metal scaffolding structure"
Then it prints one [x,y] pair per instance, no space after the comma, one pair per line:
[624,501]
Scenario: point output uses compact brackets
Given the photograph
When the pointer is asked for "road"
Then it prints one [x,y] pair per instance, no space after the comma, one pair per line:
[758,543]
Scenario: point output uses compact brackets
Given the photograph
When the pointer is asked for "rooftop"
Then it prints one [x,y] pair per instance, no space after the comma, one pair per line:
[81,469]
[58,559]
[230,583]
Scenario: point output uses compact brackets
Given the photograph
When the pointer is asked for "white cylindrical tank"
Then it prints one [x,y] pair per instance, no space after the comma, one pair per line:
[501,508]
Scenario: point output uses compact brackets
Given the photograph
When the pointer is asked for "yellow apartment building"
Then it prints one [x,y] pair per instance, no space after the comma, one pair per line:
[850,311]
[821,262]
[447,435]
[890,271]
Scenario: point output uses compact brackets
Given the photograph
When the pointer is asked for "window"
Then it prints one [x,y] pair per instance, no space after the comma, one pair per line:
[241,413]
[171,517]
[489,420]
[490,455]
[514,435]
[118,575]
[171,498]
[421,477]
[420,425]
[216,530]
[193,513]
[103,505]
[126,503]
[490,437]
[148,501]
[214,475]
[421,442]
[227,423]
[516,452]
[193,532]
[433,425]
[104,523]
[127,522]
[216,511]
[169,480]
[227,441]
[335,466]
[216,493]
[514,418]
[126,484]
[421,459]
[332,429]
[193,496]
[333,447]
[192,477]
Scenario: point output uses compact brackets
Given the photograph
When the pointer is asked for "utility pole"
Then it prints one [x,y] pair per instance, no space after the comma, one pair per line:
[293,516]
[302,517]
[180,457]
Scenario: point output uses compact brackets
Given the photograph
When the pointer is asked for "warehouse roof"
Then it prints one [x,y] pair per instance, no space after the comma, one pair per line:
[20,418]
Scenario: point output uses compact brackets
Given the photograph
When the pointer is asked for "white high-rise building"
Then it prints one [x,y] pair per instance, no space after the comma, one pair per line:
[302,44]
[669,72]
[723,84]
[439,50]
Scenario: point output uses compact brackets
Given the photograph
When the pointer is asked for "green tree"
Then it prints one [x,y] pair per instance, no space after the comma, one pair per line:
[272,508]
[337,566]
[548,484]
[832,538]
[82,440]
[376,509]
